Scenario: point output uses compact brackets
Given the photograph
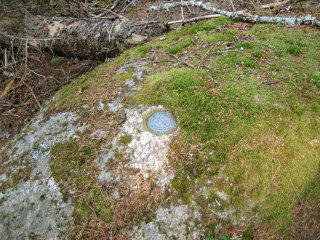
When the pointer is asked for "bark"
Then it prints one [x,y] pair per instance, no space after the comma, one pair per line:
[85,38]
[242,16]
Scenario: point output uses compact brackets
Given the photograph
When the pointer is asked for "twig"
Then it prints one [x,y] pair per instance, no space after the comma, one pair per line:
[34,96]
[182,13]
[195,19]
[26,57]
[115,4]
[5,59]
[264,44]
[183,62]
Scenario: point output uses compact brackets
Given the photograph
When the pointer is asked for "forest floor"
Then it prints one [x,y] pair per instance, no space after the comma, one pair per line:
[244,160]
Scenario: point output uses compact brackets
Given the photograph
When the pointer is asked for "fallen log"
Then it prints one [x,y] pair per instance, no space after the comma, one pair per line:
[90,38]
[242,16]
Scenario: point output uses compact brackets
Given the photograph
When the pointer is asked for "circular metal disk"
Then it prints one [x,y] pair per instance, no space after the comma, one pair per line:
[161,122]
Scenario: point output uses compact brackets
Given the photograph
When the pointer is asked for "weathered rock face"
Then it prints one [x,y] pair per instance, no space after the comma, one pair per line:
[34,209]
[33,206]
[174,222]
[138,150]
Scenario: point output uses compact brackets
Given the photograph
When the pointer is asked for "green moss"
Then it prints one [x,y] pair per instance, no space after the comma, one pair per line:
[56,62]
[314,78]
[294,50]
[257,53]
[20,175]
[133,11]
[121,78]
[237,121]
[125,139]
[248,233]
[182,44]
[72,166]
[84,87]
[213,38]
[139,51]
[103,3]
[245,45]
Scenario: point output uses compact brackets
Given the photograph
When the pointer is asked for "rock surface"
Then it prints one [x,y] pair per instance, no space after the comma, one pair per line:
[35,208]
[143,151]
[174,222]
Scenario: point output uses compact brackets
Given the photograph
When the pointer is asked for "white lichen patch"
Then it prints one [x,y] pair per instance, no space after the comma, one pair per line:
[25,211]
[139,150]
[175,222]
[34,208]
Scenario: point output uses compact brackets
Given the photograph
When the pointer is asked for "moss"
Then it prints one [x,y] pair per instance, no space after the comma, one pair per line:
[20,175]
[125,139]
[245,45]
[294,50]
[121,78]
[248,234]
[252,117]
[237,120]
[140,51]
[182,44]
[314,78]
[56,62]
[72,166]
[103,3]
[213,38]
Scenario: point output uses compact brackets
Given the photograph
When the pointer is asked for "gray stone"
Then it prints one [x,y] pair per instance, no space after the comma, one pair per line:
[175,222]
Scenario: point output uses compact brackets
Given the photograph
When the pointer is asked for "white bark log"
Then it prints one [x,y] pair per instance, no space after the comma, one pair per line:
[245,17]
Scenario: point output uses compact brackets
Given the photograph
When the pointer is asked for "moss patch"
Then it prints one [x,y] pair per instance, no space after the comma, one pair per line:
[252,125]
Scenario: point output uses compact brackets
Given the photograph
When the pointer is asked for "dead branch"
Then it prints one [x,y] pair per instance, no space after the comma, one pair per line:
[245,17]
[182,62]
[195,19]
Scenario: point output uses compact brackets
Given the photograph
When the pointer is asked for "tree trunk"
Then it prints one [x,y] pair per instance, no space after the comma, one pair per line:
[92,38]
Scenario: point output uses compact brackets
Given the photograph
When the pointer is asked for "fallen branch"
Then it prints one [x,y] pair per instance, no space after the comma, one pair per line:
[195,19]
[245,17]
[32,93]
[182,62]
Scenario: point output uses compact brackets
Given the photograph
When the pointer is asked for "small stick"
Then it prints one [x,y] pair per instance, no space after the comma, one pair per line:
[182,12]
[5,59]
[183,62]
[34,96]
[195,19]
[26,60]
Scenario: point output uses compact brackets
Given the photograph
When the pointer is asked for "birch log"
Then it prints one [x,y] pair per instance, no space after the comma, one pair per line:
[242,16]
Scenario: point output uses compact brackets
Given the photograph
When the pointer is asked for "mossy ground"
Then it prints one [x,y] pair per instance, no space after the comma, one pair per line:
[252,118]
[248,115]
